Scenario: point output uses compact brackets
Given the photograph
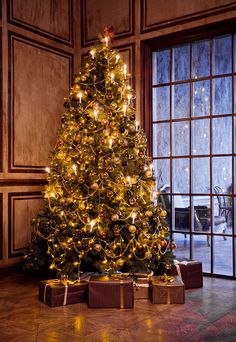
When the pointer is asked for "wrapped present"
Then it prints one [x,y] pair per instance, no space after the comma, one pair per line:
[108,292]
[190,271]
[141,287]
[167,290]
[54,293]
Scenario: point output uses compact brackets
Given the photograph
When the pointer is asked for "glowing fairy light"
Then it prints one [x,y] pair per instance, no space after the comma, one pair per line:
[125,71]
[117,58]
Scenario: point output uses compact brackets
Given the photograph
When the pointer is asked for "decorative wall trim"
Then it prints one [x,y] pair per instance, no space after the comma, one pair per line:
[12,38]
[32,28]
[1,227]
[86,41]
[12,197]
[130,48]
[18,182]
[145,27]
[1,110]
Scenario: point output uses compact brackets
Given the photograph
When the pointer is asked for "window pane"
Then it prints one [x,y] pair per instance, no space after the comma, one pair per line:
[180,134]
[161,140]
[222,135]
[161,66]
[183,245]
[181,212]
[235,94]
[202,251]
[201,175]
[222,265]
[201,136]
[162,172]
[222,173]
[222,95]
[181,61]
[202,214]
[201,58]
[222,55]
[180,174]
[201,98]
[161,103]
[220,215]
[180,100]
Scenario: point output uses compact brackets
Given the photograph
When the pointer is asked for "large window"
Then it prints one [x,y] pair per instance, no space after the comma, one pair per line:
[193,142]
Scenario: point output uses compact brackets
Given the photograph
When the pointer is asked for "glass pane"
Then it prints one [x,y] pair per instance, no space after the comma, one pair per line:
[180,141]
[201,58]
[222,135]
[161,66]
[222,55]
[161,103]
[180,174]
[234,52]
[201,175]
[183,245]
[222,173]
[222,265]
[181,63]
[201,136]
[234,94]
[220,214]
[202,214]
[222,95]
[180,100]
[202,251]
[162,172]
[161,140]
[201,98]
[181,213]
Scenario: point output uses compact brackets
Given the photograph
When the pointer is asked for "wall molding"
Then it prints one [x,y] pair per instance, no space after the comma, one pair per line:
[87,41]
[1,226]
[30,27]
[1,109]
[12,197]
[18,182]
[12,38]
[181,19]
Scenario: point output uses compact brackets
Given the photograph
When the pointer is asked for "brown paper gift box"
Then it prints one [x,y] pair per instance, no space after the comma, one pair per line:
[162,292]
[53,293]
[191,273]
[105,292]
[141,288]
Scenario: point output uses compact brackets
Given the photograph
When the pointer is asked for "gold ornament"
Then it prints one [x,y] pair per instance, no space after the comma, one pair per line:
[104,122]
[148,213]
[97,247]
[90,140]
[115,217]
[94,186]
[81,206]
[163,213]
[81,180]
[110,194]
[120,262]
[148,255]
[132,229]
[148,174]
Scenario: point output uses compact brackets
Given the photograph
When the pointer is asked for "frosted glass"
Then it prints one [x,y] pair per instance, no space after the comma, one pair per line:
[161,103]
[181,100]
[222,55]
[181,63]
[161,140]
[180,175]
[201,98]
[222,264]
[201,136]
[180,138]
[222,173]
[161,66]
[201,58]
[201,175]
[222,135]
[222,95]
[162,172]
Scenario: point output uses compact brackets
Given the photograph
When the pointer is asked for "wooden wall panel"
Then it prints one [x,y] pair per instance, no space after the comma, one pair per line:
[96,15]
[39,81]
[161,13]
[23,207]
[1,228]
[127,54]
[1,111]
[47,17]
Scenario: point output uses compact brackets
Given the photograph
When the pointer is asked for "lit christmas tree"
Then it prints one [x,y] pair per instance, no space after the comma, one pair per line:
[99,201]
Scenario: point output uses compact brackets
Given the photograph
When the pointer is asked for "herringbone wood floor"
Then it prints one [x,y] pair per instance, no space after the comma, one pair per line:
[208,315]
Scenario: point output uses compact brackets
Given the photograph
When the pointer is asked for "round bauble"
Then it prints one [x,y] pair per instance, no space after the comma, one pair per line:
[163,213]
[164,243]
[148,255]
[94,186]
[132,201]
[122,129]
[173,246]
[97,247]
[90,140]
[132,229]
[110,194]
[81,180]
[104,122]
[120,262]
[83,78]
[115,217]
[124,163]
[81,206]
[148,213]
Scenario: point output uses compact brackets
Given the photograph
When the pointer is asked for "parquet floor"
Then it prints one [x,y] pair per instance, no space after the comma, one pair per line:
[208,315]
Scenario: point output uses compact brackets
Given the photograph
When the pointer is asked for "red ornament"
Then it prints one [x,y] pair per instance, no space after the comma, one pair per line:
[164,243]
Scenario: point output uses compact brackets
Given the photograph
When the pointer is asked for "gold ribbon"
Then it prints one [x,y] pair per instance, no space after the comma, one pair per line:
[121,294]
[165,278]
[119,276]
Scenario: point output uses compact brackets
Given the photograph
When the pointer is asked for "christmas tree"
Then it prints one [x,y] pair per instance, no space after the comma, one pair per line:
[100,200]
